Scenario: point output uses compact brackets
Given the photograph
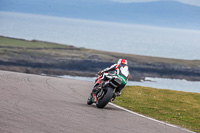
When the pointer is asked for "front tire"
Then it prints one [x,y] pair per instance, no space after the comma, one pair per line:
[106,98]
[89,101]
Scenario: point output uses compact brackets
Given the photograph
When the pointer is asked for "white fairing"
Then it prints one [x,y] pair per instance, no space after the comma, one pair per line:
[124,71]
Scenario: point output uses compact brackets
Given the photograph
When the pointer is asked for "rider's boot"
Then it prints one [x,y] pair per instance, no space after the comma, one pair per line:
[116,94]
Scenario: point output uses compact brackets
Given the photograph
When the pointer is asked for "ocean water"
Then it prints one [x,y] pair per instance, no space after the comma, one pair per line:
[116,37]
[160,83]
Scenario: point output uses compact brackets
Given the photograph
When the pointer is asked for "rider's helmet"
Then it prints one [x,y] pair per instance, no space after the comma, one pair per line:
[122,61]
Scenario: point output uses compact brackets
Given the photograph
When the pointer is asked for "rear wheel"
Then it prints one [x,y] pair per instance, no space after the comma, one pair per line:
[101,103]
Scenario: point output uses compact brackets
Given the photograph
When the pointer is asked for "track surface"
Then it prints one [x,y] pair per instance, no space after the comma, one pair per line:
[41,104]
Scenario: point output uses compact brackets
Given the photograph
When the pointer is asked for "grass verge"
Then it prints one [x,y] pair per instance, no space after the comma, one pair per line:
[175,107]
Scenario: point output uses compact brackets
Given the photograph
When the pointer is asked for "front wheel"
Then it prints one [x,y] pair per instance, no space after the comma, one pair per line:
[89,101]
[101,103]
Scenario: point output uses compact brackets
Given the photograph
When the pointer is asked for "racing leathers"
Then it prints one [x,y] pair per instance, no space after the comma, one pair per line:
[122,72]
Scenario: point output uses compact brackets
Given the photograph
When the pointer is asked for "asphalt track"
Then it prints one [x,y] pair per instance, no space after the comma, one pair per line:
[42,104]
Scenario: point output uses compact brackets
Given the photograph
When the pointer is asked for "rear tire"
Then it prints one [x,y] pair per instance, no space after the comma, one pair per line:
[106,98]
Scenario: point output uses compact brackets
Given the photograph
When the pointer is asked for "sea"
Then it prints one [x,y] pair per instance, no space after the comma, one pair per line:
[159,83]
[107,36]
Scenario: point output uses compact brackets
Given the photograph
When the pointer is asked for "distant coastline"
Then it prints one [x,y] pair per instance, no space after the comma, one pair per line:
[39,57]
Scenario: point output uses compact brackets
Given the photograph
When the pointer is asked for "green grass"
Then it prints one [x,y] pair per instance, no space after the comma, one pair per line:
[27,44]
[20,49]
[175,107]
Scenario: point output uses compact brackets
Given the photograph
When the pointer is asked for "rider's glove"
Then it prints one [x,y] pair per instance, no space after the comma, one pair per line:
[99,72]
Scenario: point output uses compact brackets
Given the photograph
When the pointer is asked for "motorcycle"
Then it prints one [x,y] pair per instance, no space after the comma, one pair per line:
[104,90]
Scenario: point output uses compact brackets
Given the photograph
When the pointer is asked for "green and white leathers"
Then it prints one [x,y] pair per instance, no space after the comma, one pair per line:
[121,70]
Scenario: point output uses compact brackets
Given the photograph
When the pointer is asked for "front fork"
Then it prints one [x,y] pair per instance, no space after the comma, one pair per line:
[94,94]
[97,93]
[94,99]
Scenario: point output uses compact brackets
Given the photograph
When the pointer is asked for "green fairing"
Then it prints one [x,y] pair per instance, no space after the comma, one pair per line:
[124,81]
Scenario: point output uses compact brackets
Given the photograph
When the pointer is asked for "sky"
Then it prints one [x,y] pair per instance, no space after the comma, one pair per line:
[164,13]
[189,2]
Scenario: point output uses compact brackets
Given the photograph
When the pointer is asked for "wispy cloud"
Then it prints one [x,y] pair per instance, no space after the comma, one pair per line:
[189,2]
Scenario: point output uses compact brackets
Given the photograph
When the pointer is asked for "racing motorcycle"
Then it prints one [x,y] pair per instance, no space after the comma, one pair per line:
[104,90]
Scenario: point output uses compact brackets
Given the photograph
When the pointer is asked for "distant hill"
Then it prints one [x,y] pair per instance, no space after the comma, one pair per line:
[40,57]
[161,13]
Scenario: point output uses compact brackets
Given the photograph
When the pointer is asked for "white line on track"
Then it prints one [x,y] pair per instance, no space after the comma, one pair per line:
[148,117]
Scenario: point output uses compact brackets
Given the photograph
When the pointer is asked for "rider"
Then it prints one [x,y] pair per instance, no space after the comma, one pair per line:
[121,71]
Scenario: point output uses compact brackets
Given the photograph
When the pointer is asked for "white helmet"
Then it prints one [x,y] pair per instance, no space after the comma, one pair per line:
[122,61]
